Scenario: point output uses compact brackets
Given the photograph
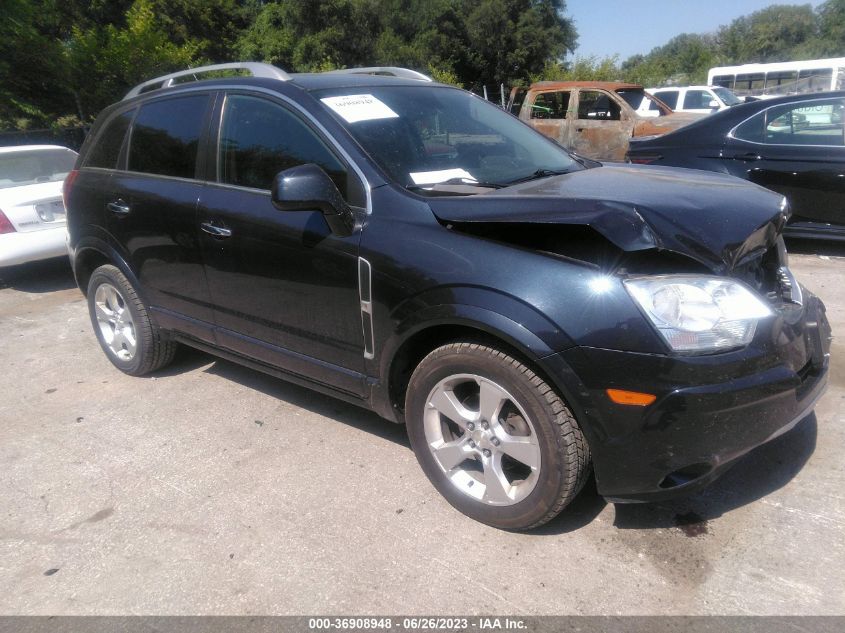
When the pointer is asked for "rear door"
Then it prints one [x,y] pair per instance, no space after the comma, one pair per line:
[152,209]
[798,150]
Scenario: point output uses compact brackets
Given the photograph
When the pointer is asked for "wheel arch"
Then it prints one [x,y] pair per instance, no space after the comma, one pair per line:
[92,253]
[466,323]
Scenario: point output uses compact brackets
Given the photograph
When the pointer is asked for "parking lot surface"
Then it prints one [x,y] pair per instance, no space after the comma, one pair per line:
[212,489]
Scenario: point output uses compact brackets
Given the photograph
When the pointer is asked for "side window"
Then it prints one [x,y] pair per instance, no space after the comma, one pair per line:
[258,139]
[669,97]
[752,129]
[806,123]
[550,105]
[107,148]
[725,81]
[166,135]
[697,100]
[597,106]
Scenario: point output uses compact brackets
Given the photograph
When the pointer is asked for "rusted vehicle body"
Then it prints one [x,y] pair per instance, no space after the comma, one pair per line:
[595,119]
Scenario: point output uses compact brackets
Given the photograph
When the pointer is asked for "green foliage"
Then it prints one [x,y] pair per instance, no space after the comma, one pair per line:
[70,58]
[582,69]
[444,76]
[768,35]
[104,62]
[307,35]
[777,33]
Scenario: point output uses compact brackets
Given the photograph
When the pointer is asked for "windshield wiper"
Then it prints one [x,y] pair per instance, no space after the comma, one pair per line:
[540,173]
[460,181]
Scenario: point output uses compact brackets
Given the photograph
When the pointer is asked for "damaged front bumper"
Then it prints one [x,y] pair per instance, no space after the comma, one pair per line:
[710,409]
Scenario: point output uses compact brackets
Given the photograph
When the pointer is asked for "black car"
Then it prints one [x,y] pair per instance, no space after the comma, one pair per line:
[411,248]
[793,145]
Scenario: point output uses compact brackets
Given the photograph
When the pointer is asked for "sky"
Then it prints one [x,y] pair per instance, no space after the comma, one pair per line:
[628,27]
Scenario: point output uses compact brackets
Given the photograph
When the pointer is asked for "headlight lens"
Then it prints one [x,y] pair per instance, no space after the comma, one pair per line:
[699,314]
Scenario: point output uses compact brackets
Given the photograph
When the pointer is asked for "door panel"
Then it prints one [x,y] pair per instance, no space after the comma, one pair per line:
[798,150]
[154,206]
[548,113]
[282,278]
[602,129]
[284,288]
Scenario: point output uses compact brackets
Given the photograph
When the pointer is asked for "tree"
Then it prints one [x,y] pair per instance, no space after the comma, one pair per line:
[308,35]
[832,27]
[29,64]
[513,39]
[104,62]
[768,35]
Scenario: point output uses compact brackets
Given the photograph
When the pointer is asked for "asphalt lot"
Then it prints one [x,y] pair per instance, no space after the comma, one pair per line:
[213,489]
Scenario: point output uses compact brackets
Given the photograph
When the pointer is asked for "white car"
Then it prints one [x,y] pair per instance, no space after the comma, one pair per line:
[32,214]
[699,99]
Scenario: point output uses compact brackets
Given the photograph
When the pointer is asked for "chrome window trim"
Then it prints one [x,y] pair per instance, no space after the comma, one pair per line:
[741,123]
[248,89]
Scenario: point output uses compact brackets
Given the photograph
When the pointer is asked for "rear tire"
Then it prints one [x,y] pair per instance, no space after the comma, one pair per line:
[127,335]
[493,437]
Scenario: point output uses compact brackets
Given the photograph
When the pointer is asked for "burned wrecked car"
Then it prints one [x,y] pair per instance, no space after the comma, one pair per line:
[595,119]
[410,248]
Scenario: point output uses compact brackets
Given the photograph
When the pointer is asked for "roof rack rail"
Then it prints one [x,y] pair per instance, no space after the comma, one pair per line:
[390,71]
[257,69]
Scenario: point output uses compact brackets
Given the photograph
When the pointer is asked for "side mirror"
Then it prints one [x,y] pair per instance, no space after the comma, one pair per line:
[713,104]
[309,188]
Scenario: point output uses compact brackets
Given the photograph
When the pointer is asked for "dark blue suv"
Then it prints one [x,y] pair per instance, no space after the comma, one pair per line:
[530,315]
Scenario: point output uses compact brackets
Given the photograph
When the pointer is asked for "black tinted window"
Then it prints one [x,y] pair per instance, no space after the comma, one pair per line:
[259,139]
[697,100]
[166,135]
[818,122]
[669,97]
[107,148]
[752,129]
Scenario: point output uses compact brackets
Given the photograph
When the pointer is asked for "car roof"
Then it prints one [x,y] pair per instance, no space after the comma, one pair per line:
[304,81]
[606,85]
[29,148]
[702,87]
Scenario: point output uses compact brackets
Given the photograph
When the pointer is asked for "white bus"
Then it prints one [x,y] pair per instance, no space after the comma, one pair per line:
[782,78]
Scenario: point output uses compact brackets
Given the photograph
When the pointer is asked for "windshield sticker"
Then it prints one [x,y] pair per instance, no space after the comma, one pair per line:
[433,177]
[354,108]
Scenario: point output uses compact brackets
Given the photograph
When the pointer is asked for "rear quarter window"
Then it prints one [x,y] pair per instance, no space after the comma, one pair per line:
[106,149]
[165,136]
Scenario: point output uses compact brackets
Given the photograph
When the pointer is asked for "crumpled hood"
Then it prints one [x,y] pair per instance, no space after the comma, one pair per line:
[714,219]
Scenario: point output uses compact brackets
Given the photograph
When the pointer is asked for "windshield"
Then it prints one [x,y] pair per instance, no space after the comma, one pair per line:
[28,167]
[727,96]
[421,136]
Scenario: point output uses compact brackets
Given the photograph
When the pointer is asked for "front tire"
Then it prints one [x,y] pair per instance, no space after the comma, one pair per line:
[130,340]
[493,437]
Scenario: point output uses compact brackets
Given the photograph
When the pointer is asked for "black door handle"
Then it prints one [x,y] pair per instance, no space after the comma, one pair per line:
[216,231]
[118,207]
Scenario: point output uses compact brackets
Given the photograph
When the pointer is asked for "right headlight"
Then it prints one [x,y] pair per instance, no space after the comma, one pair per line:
[699,314]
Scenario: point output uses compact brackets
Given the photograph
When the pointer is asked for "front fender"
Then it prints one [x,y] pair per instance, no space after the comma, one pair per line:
[496,313]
